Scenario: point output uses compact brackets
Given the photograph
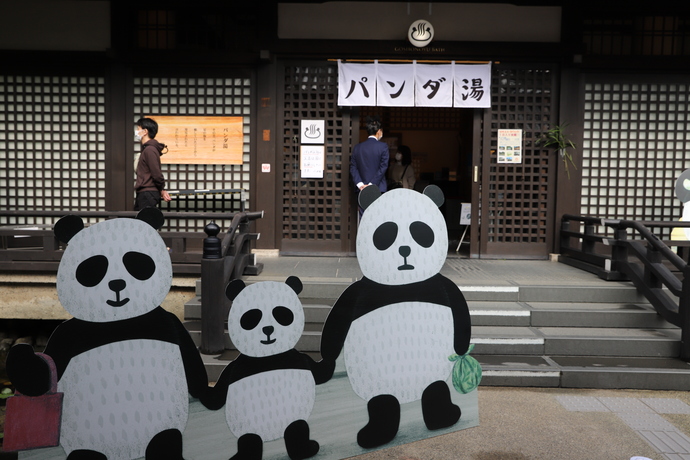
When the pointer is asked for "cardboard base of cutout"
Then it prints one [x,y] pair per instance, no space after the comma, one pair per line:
[337,417]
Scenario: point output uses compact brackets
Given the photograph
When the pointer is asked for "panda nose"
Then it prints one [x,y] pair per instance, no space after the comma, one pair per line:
[117,285]
[268,330]
[404,251]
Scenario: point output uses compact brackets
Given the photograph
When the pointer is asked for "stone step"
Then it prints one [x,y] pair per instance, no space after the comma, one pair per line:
[328,292]
[535,341]
[309,342]
[571,314]
[521,314]
[545,336]
[313,313]
[585,372]
[574,341]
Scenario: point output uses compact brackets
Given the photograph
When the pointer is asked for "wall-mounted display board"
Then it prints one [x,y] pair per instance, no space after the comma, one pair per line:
[510,146]
[201,140]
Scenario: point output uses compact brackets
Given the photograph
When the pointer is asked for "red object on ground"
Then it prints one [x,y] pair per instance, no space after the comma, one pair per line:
[34,421]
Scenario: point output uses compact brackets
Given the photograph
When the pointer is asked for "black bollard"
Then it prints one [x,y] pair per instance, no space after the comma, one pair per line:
[213,298]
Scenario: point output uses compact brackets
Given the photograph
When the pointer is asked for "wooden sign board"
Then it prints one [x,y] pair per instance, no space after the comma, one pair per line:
[201,140]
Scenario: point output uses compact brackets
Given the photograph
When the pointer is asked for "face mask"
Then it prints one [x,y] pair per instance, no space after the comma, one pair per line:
[398,156]
[137,136]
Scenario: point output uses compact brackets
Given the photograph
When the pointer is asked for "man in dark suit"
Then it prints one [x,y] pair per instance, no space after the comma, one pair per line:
[369,160]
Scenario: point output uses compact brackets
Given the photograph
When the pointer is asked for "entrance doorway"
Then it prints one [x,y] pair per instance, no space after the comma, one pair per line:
[441,141]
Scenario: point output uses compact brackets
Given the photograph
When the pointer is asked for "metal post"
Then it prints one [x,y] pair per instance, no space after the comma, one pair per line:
[565,240]
[684,313]
[619,251]
[212,293]
[588,245]
[650,279]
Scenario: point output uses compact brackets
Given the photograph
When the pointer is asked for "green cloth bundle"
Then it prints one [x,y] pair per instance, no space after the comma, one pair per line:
[467,372]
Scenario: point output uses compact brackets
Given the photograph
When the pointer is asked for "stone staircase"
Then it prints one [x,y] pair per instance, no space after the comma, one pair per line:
[535,336]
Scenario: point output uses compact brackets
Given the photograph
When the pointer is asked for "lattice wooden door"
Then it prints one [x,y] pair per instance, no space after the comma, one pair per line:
[316,214]
[517,200]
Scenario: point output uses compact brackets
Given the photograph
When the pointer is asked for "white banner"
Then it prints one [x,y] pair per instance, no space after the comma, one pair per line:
[410,85]
[433,85]
[395,85]
[472,85]
[356,84]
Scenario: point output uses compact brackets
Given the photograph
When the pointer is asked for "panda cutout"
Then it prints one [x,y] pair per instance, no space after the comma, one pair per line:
[402,321]
[683,194]
[125,365]
[269,389]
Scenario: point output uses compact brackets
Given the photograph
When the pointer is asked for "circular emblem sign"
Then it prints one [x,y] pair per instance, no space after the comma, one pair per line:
[421,33]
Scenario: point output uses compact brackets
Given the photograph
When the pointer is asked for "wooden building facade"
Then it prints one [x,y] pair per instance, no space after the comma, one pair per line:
[77,74]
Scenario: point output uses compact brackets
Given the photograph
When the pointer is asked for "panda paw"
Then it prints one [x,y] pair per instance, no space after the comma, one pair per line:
[249,447]
[323,370]
[297,441]
[384,421]
[28,372]
[438,409]
[83,454]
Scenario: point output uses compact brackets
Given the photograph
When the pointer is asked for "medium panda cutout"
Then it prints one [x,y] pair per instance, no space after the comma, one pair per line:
[402,321]
[269,389]
[125,365]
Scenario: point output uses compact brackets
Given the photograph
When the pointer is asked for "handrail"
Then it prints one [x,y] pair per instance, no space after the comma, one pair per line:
[43,252]
[649,271]
[222,261]
[168,215]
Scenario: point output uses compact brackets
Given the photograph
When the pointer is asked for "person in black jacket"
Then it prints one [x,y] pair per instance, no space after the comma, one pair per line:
[150,183]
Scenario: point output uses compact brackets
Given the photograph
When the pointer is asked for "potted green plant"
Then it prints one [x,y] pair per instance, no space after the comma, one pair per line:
[555,138]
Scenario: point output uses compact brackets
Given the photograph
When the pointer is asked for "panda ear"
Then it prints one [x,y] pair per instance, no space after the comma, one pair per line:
[683,186]
[152,216]
[368,196]
[295,283]
[233,288]
[435,193]
[67,227]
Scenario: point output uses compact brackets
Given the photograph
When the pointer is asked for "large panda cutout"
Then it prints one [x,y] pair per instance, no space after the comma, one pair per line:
[125,365]
[400,324]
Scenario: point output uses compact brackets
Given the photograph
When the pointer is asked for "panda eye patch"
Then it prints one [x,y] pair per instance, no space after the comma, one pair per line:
[422,234]
[139,265]
[250,319]
[385,235]
[92,271]
[283,315]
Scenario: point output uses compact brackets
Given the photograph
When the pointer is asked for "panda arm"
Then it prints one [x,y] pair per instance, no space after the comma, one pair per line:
[214,397]
[195,371]
[321,370]
[462,324]
[338,323]
[28,372]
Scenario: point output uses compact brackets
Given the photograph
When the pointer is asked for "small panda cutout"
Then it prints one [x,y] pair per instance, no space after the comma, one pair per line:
[125,365]
[402,321]
[269,389]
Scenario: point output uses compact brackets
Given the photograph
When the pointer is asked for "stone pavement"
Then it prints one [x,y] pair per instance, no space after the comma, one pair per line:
[563,424]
